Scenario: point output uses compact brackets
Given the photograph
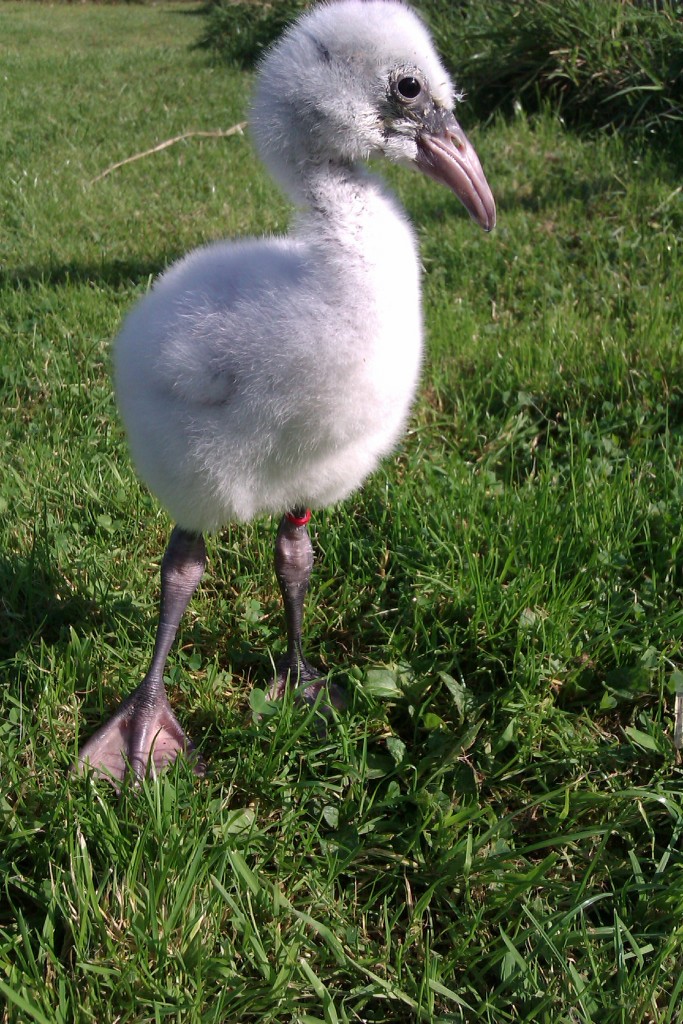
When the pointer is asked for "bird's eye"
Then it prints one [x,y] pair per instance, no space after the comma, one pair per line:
[409,88]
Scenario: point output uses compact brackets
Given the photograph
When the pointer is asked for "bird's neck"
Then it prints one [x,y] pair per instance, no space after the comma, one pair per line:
[349,211]
[329,186]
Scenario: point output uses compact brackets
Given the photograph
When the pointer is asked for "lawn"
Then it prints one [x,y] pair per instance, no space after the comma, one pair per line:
[493,830]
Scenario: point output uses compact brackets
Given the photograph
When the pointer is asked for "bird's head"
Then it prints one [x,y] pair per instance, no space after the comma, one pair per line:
[353,79]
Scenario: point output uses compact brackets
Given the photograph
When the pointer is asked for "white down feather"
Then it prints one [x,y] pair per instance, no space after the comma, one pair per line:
[267,374]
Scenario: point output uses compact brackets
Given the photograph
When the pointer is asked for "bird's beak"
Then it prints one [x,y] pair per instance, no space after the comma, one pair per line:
[445,153]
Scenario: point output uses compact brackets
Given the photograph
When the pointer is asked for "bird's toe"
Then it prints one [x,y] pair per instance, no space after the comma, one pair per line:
[308,686]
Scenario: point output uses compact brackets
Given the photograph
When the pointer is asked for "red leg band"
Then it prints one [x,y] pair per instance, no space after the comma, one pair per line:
[299,520]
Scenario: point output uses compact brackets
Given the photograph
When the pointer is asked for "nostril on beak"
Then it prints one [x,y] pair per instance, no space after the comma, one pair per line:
[457,140]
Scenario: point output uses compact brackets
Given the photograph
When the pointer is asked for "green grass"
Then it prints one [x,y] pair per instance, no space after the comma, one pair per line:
[493,831]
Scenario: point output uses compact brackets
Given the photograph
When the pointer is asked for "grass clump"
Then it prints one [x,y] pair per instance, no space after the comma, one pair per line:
[617,62]
[240,30]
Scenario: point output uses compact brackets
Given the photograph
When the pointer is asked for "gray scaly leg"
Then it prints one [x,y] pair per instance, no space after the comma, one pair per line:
[144,734]
[293,565]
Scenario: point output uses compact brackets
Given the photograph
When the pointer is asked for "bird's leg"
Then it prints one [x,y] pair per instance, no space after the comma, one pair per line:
[144,734]
[293,565]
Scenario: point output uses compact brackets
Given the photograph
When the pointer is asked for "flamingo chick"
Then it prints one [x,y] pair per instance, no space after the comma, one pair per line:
[270,376]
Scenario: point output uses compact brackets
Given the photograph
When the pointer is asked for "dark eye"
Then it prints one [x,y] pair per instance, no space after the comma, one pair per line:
[409,88]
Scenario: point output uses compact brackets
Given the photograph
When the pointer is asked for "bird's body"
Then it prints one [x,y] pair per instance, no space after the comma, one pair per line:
[267,375]
[271,375]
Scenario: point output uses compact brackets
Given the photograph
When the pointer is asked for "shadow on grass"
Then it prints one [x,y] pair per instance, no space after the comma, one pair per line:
[114,274]
[197,10]
[39,604]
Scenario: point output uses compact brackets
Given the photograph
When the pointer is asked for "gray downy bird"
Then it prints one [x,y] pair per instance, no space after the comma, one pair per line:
[269,376]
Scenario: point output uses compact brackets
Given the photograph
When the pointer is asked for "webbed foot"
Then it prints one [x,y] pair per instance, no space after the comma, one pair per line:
[143,737]
[306,682]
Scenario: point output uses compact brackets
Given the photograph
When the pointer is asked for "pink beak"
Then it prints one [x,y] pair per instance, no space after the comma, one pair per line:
[448,156]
